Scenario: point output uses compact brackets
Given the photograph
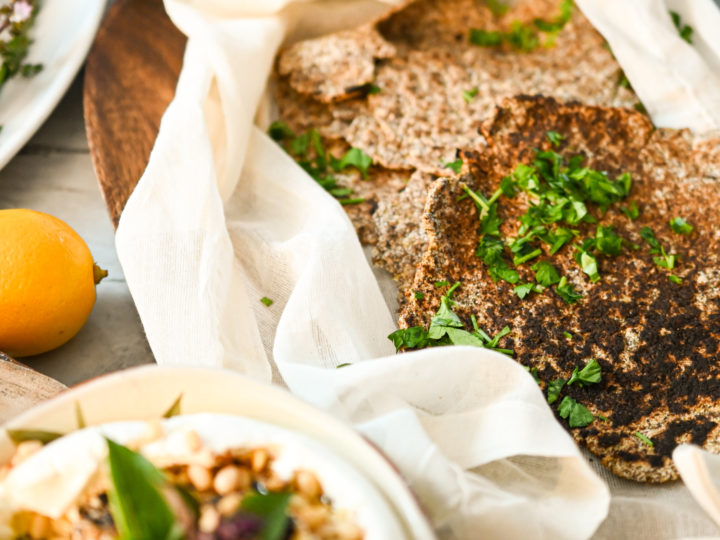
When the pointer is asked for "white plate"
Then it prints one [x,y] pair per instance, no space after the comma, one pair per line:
[146,392]
[63,33]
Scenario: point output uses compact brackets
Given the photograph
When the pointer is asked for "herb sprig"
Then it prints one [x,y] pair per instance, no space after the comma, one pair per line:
[311,154]
[523,37]
[446,328]
[684,30]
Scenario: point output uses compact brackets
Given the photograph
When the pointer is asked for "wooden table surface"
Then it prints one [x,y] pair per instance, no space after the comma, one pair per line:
[53,173]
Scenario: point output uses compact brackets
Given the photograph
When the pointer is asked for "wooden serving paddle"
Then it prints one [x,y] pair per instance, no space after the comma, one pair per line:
[22,387]
[130,79]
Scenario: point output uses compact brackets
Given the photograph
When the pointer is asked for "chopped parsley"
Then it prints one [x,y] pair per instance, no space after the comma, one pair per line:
[680,226]
[631,210]
[454,166]
[665,260]
[418,295]
[310,153]
[265,300]
[567,335]
[684,30]
[534,372]
[497,7]
[443,283]
[469,95]
[345,364]
[554,389]
[590,374]
[675,279]
[524,37]
[555,138]
[524,289]
[374,89]
[648,235]
[446,328]
[577,414]
[546,274]
[644,439]
[567,292]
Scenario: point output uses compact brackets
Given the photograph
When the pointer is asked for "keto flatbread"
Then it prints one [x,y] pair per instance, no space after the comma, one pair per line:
[656,340]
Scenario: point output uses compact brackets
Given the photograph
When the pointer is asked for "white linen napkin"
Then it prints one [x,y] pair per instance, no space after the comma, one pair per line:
[223,217]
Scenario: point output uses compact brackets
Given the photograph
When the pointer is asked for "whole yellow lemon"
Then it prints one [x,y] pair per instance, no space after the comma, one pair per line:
[47,282]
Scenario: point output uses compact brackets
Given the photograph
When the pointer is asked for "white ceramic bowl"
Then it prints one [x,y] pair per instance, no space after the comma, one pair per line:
[146,392]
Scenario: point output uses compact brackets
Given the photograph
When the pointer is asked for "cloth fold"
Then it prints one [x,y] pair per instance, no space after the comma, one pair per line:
[223,217]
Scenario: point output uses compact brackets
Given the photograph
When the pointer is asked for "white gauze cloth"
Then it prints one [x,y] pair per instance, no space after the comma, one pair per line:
[223,217]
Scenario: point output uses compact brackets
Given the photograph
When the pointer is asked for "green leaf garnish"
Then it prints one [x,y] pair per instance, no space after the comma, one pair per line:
[648,235]
[443,283]
[418,295]
[555,138]
[374,89]
[344,364]
[684,30]
[554,389]
[567,335]
[567,292]
[272,507]
[138,507]
[632,211]
[353,158]
[267,301]
[21,435]
[497,7]
[485,38]
[468,96]
[680,226]
[454,166]
[590,374]
[578,415]
[174,409]
[607,241]
[415,337]
[665,260]
[644,439]
[675,279]
[545,273]
[279,131]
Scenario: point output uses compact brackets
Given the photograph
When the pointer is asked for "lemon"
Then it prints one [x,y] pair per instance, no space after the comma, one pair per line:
[47,282]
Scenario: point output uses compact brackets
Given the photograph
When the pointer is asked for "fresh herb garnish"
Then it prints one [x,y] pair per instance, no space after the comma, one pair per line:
[590,374]
[272,507]
[310,153]
[684,30]
[344,364]
[675,279]
[524,289]
[567,292]
[534,372]
[631,210]
[554,389]
[524,37]
[680,226]
[174,409]
[648,235]
[555,138]
[577,414]
[454,166]
[443,283]
[21,435]
[567,335]
[468,95]
[418,295]
[138,506]
[644,439]
[374,89]
[446,328]
[546,274]
[267,301]
[16,19]
[497,7]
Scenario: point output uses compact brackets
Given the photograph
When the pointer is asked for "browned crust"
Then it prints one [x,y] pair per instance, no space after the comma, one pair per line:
[656,341]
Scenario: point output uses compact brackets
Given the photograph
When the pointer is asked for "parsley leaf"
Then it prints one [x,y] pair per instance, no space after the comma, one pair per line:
[545,273]
[485,38]
[665,260]
[497,7]
[468,95]
[554,389]
[588,263]
[649,236]
[632,211]
[374,89]
[567,292]
[443,283]
[675,279]
[578,415]
[415,337]
[491,251]
[567,335]
[534,372]
[267,301]
[644,439]
[680,226]
[523,289]
[684,30]
[607,241]
[353,158]
[590,374]
[555,138]
[454,166]
[418,295]
[280,131]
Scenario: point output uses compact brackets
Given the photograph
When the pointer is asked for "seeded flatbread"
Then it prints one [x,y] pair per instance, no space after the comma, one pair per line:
[657,341]
[420,117]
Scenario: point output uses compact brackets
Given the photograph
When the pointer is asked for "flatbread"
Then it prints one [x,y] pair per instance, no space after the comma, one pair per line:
[419,117]
[657,341]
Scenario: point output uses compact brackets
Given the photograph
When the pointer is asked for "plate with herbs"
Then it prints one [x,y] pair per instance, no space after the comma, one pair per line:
[42,46]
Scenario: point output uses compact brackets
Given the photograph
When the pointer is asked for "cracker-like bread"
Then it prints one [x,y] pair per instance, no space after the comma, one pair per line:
[420,59]
[658,342]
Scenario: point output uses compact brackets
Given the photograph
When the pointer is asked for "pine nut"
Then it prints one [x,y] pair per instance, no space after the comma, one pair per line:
[227,479]
[200,477]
